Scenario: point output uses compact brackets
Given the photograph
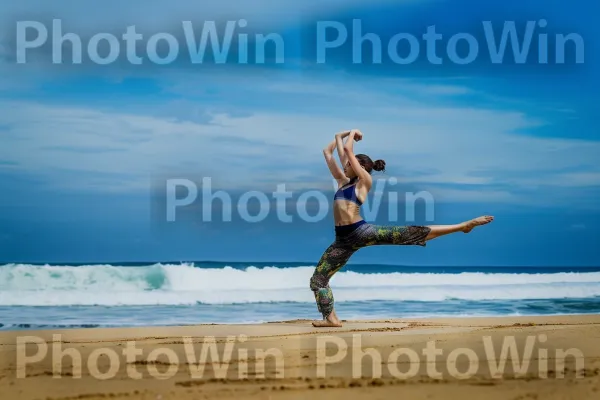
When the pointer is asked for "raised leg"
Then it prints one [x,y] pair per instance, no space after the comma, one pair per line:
[466,227]
[417,235]
[397,235]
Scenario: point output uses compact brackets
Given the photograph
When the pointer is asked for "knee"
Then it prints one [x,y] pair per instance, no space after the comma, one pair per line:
[317,282]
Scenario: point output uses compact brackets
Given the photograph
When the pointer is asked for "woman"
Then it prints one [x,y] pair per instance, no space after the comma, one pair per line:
[351,231]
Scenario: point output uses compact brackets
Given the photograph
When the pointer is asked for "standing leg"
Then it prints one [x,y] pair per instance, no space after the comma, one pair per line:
[332,260]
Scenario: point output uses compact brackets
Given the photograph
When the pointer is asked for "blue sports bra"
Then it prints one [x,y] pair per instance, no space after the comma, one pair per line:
[348,193]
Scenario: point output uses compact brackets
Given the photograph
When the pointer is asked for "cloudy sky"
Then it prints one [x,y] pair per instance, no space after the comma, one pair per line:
[85,148]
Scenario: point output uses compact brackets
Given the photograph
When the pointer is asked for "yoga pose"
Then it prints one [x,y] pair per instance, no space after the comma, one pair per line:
[351,231]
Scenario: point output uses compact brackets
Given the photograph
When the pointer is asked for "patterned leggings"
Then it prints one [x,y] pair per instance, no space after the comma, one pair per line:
[340,251]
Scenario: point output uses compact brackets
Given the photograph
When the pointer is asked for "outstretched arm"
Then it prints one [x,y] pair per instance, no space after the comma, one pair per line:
[362,174]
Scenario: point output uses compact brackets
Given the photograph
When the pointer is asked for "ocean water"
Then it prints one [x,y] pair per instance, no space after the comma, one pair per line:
[75,296]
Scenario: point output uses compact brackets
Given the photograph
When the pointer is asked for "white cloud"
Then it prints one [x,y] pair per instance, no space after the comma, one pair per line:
[270,129]
[579,179]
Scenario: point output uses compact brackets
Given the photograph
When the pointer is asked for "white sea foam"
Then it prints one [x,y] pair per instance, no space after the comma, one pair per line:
[164,284]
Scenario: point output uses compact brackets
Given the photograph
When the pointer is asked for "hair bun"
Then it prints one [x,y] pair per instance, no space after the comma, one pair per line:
[379,165]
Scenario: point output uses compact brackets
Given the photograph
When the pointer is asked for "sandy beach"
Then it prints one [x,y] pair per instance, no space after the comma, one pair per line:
[543,357]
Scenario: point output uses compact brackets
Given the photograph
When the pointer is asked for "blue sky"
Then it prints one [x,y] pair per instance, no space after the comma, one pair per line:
[82,146]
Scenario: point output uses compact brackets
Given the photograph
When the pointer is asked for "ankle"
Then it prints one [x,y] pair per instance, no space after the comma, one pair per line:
[333,318]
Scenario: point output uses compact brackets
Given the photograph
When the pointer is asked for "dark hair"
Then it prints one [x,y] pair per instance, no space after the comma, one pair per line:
[370,165]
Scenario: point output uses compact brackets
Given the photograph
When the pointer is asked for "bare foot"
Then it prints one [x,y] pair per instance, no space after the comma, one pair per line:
[469,225]
[331,321]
